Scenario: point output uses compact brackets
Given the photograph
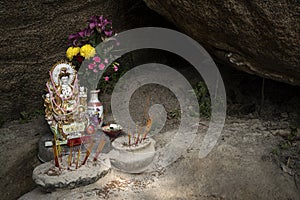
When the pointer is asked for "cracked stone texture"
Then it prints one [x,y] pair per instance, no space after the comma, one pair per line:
[258,37]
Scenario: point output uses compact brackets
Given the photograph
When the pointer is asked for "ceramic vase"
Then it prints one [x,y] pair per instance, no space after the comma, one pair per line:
[95,109]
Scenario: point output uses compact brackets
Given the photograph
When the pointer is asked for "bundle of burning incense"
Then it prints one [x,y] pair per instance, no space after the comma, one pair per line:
[144,116]
[134,137]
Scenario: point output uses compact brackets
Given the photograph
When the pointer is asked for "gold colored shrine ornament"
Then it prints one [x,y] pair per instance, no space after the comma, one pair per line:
[66,102]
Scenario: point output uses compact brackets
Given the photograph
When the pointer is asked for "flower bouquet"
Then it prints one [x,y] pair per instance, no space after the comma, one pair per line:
[82,46]
[84,51]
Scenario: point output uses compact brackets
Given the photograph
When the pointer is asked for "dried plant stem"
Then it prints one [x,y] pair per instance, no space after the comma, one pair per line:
[99,148]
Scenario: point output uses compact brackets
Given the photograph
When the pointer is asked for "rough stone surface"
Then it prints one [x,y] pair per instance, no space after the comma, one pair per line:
[18,155]
[50,177]
[34,37]
[259,37]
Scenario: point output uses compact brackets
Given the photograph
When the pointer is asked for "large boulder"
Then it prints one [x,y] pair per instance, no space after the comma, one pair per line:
[34,37]
[18,156]
[259,37]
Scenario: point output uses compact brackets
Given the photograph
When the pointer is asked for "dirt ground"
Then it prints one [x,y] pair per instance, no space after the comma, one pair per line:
[256,157]
[239,167]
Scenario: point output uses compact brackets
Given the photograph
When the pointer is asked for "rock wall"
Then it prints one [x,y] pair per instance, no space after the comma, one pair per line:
[34,37]
[259,37]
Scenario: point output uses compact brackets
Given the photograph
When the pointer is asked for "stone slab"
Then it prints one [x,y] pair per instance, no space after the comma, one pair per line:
[50,178]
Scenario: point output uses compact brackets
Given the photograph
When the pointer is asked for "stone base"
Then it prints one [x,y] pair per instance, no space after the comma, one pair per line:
[50,178]
[132,159]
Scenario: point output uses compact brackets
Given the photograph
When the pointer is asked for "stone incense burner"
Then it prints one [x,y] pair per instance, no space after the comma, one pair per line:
[132,158]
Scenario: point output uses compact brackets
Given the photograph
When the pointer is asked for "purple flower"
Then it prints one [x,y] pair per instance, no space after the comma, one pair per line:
[104,23]
[92,25]
[79,38]
[81,33]
[100,24]
[106,78]
[85,32]
[73,36]
[73,39]
[108,33]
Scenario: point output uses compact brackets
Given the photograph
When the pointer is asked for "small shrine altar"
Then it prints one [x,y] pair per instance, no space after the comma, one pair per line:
[80,148]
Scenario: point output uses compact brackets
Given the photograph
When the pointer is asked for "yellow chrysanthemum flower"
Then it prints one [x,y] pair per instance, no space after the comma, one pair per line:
[72,51]
[87,51]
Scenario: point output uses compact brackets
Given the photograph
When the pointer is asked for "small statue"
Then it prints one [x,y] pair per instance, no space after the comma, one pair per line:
[65,105]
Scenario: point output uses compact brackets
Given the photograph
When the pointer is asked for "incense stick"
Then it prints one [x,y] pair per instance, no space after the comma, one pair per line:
[59,153]
[129,142]
[89,150]
[55,154]
[148,127]
[100,147]
[129,135]
[70,155]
